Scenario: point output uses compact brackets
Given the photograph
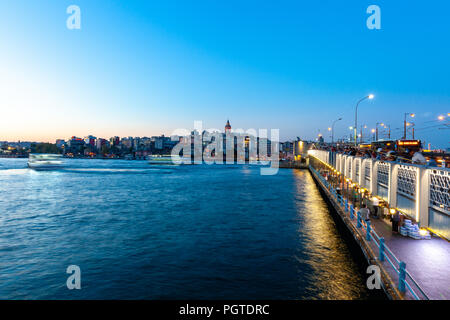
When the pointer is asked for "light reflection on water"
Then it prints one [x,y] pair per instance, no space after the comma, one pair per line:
[186,232]
[324,251]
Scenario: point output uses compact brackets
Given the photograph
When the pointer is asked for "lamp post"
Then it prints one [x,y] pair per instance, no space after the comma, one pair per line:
[404,123]
[361,136]
[370,96]
[376,129]
[388,126]
[411,124]
[332,130]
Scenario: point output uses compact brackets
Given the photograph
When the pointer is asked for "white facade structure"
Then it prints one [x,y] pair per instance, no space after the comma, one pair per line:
[420,192]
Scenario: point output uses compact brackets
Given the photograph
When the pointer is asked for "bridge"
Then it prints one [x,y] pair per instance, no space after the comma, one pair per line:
[413,269]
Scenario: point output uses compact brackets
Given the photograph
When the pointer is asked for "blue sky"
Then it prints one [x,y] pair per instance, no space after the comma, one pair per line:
[143,68]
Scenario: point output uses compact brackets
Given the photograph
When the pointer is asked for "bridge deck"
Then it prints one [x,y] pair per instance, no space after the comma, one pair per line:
[428,261]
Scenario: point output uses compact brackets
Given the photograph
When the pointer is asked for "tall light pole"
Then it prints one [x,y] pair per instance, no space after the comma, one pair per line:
[388,126]
[376,129]
[410,124]
[404,123]
[370,96]
[332,130]
[363,126]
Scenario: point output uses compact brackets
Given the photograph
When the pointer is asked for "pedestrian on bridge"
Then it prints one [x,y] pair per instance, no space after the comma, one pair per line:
[375,204]
[395,221]
[364,213]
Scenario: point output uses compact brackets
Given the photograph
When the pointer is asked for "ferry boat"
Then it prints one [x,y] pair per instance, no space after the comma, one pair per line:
[167,160]
[44,161]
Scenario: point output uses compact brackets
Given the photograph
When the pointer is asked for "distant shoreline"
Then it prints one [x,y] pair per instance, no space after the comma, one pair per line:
[96,158]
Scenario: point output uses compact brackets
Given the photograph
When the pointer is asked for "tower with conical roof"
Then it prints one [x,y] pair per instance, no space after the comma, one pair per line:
[228,127]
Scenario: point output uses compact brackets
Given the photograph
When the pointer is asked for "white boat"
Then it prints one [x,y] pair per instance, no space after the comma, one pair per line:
[167,160]
[45,161]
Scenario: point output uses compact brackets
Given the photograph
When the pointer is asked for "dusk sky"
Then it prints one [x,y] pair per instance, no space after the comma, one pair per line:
[143,68]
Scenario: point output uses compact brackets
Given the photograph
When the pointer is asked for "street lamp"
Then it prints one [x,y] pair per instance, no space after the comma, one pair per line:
[388,126]
[376,129]
[410,124]
[332,130]
[370,96]
[412,115]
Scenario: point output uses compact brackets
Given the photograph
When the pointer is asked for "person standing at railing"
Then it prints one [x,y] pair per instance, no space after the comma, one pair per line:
[375,204]
[395,221]
[365,200]
[364,213]
[418,158]
[384,212]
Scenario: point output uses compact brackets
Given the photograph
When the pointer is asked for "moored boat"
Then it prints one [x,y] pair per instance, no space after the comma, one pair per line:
[45,161]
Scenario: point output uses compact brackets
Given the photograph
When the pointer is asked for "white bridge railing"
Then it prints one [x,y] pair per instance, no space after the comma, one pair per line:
[421,192]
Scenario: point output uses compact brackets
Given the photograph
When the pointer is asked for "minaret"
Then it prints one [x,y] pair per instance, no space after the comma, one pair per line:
[228,127]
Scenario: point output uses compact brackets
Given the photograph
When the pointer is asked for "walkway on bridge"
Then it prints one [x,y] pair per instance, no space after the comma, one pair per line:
[428,261]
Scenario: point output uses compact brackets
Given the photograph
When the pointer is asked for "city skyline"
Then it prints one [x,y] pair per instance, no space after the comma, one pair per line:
[145,69]
[196,154]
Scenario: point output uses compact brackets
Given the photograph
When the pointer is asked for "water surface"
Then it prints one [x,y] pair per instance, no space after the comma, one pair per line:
[189,232]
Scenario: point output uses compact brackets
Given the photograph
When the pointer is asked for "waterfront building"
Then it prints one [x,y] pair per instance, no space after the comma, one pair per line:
[75,145]
[287,147]
[90,140]
[159,142]
[114,141]
[60,143]
[99,143]
[127,143]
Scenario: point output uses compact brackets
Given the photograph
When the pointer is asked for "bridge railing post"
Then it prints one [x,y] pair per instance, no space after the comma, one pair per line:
[381,249]
[346,205]
[402,277]
[368,229]
[358,224]
[352,216]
